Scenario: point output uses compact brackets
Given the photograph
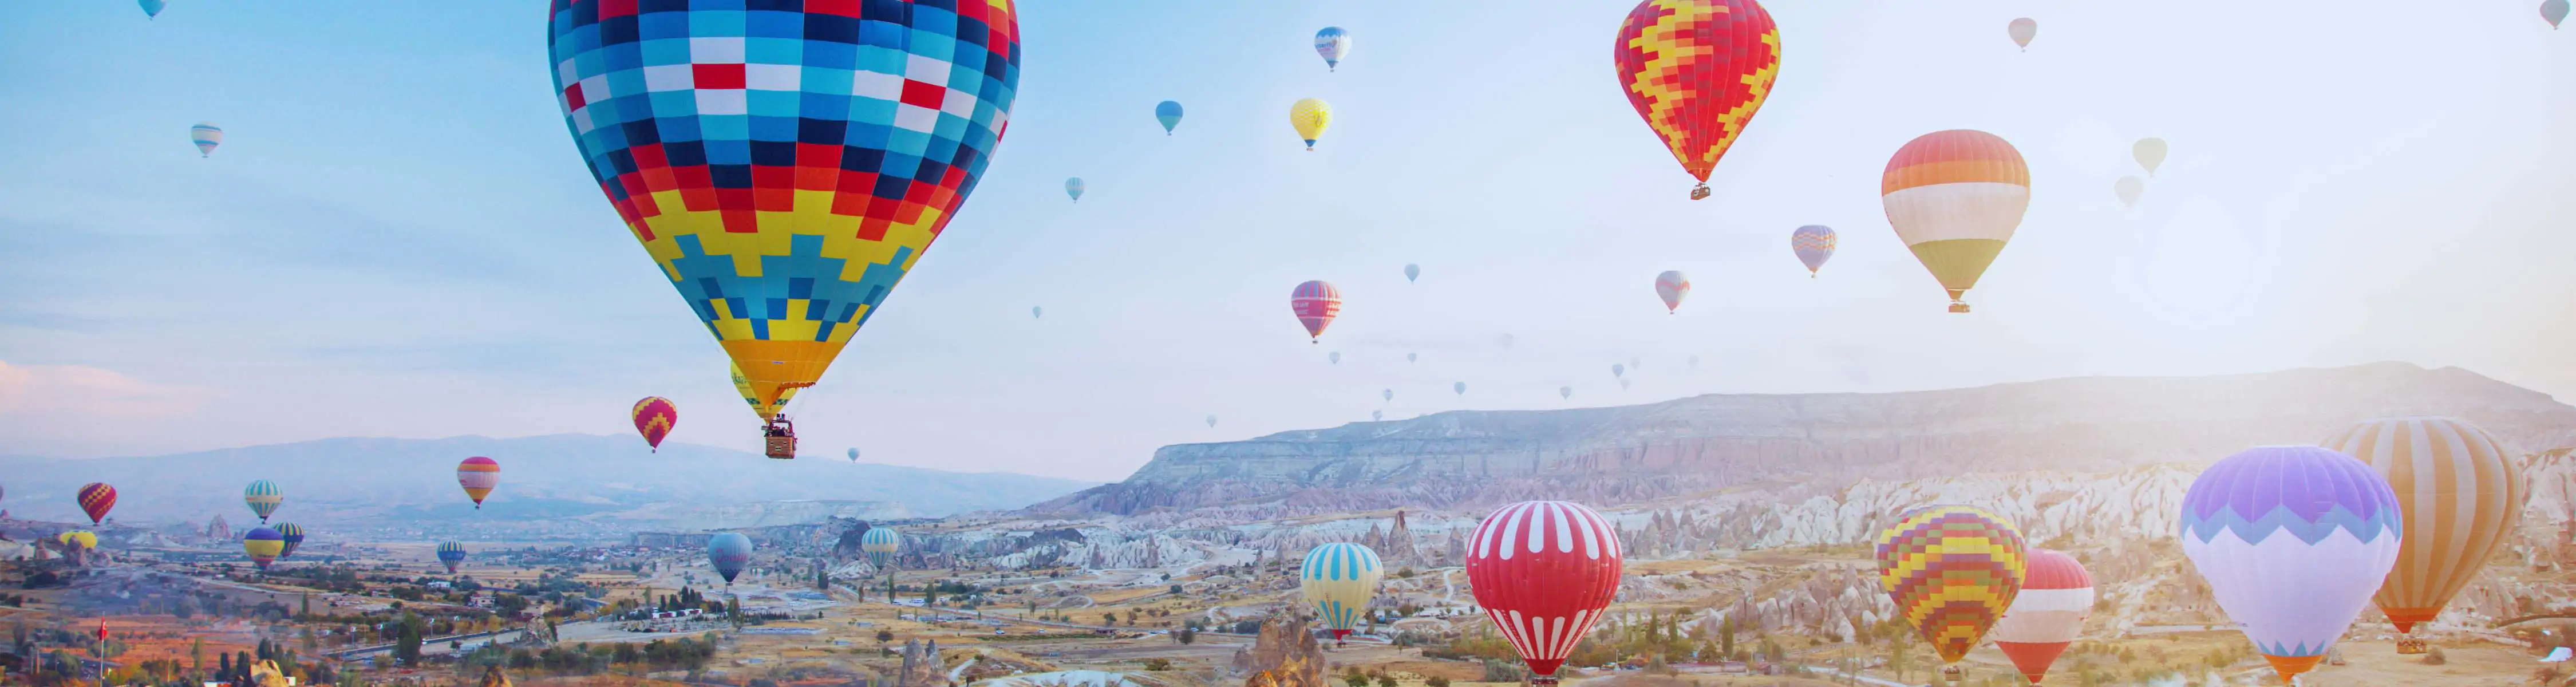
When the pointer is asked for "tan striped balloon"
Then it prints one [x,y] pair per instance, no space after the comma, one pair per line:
[2461,495]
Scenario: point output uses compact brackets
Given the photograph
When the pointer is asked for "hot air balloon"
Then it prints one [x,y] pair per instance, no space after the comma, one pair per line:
[1814,244]
[152,8]
[451,554]
[1618,370]
[1624,382]
[1073,187]
[2129,189]
[1460,387]
[1169,113]
[1310,116]
[1543,571]
[206,135]
[293,535]
[1387,394]
[766,410]
[1408,357]
[1339,578]
[2022,31]
[2293,540]
[880,544]
[1037,312]
[1672,287]
[854,454]
[478,475]
[1955,197]
[95,499]
[1697,70]
[263,497]
[1335,356]
[1333,43]
[1952,570]
[84,539]
[1315,302]
[784,209]
[1376,415]
[2553,10]
[728,552]
[654,416]
[1565,392]
[263,546]
[1412,272]
[2056,595]
[2150,153]
[2460,494]
[1211,420]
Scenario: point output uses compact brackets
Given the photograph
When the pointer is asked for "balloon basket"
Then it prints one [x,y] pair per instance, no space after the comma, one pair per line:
[1958,307]
[1954,675]
[2410,646]
[1699,192]
[782,439]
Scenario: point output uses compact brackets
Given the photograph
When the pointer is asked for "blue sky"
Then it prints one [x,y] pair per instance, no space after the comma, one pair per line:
[398,239]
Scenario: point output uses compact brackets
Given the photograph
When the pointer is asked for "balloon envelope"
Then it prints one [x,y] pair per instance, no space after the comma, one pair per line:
[784,208]
[1565,392]
[152,8]
[2460,493]
[1955,197]
[1335,356]
[1310,116]
[854,454]
[765,410]
[2293,540]
[478,475]
[1618,370]
[2150,153]
[84,539]
[1338,579]
[1169,113]
[2023,30]
[880,544]
[95,499]
[1696,71]
[2129,189]
[1387,394]
[1814,244]
[1315,303]
[294,537]
[451,554]
[262,496]
[206,135]
[728,552]
[1333,44]
[1073,188]
[2056,595]
[1952,570]
[263,545]
[1412,272]
[1211,420]
[1672,286]
[654,416]
[1460,387]
[2553,10]
[1543,571]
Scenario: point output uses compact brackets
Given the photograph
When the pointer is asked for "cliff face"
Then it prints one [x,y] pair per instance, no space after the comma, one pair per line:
[1695,445]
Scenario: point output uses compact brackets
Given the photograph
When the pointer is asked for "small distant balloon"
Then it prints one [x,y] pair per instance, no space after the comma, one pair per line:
[1412,272]
[1387,394]
[2023,30]
[1169,113]
[2150,153]
[1814,244]
[1334,44]
[1618,370]
[1315,302]
[1565,392]
[1073,188]
[1624,382]
[1636,363]
[2554,11]
[1408,357]
[95,499]
[1672,287]
[152,8]
[1036,312]
[1460,387]
[207,136]
[1335,356]
[1309,117]
[854,454]
[1211,421]
[1376,415]
[2129,189]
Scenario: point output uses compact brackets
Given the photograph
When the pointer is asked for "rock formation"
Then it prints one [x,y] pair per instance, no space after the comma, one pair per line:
[1284,655]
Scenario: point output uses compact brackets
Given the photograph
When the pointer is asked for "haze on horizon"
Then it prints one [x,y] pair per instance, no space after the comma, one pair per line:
[398,239]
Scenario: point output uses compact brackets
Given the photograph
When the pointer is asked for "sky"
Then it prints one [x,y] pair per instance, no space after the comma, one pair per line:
[398,239]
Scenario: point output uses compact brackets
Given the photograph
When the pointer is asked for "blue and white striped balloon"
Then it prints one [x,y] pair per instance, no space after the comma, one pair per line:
[1334,44]
[1338,579]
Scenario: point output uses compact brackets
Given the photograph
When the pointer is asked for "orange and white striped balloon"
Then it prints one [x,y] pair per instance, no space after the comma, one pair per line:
[2460,493]
[1955,198]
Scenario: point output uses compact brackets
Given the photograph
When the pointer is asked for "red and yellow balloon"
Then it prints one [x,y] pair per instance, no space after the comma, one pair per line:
[1697,70]
[654,416]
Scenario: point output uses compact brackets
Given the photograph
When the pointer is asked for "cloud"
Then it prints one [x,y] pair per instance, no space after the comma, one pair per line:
[84,391]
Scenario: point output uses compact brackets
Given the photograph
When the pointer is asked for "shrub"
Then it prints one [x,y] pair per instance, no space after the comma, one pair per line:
[2433,656]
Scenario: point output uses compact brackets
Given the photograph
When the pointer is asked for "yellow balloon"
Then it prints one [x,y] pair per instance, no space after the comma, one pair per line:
[767,411]
[1310,116]
[84,538]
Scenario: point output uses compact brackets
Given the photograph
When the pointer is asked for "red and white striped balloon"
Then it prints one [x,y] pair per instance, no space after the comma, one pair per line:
[2056,595]
[1543,570]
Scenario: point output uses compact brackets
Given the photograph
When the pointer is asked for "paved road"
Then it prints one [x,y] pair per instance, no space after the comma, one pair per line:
[428,645]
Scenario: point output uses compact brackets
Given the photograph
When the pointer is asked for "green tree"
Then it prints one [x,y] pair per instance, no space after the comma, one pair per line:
[407,644]
[1726,638]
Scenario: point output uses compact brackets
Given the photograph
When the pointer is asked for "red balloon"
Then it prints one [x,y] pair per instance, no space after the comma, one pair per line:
[95,498]
[1543,570]
[1315,302]
[654,417]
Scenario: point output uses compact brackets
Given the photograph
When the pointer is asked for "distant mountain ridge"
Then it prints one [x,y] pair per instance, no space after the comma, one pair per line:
[611,481]
[1694,445]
